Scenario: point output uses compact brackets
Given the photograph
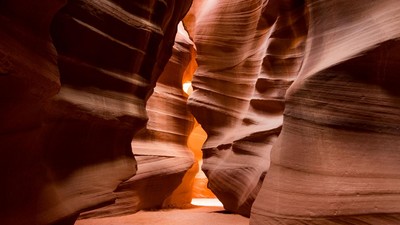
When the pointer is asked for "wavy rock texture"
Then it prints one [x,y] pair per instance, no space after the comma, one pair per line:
[111,54]
[336,160]
[64,153]
[191,18]
[161,150]
[247,56]
[28,78]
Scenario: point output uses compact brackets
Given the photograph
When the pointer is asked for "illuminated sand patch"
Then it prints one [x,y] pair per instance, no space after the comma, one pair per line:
[206,202]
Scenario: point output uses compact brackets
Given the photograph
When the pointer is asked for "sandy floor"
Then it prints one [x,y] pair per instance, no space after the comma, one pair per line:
[198,215]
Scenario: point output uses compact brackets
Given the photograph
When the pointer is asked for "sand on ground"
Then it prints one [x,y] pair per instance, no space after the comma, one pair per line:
[195,215]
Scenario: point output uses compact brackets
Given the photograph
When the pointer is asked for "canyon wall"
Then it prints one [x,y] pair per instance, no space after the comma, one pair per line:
[161,151]
[336,159]
[248,55]
[67,120]
[72,114]
[29,76]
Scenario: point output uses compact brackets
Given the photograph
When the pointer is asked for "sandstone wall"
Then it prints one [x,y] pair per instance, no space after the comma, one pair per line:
[66,147]
[68,113]
[29,76]
[248,55]
[336,159]
[160,150]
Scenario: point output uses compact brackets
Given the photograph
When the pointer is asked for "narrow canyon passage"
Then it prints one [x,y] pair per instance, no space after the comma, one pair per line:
[178,112]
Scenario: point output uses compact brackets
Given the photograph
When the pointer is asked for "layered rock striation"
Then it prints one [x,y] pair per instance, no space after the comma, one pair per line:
[336,159]
[110,55]
[72,114]
[249,52]
[161,151]
[67,120]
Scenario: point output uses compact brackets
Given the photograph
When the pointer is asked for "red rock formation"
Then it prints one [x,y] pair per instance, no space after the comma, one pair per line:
[64,153]
[337,158]
[191,18]
[247,57]
[28,78]
[161,151]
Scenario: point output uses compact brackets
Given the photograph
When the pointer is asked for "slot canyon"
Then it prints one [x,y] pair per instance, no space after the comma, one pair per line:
[282,112]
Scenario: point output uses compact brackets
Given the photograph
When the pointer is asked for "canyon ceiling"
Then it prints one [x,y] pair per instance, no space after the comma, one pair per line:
[299,99]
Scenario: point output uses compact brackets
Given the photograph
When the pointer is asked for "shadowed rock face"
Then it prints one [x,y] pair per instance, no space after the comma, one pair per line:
[66,149]
[28,78]
[248,55]
[336,159]
[161,150]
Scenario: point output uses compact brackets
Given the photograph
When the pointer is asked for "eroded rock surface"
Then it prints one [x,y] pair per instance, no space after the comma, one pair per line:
[248,55]
[64,150]
[28,78]
[336,159]
[161,150]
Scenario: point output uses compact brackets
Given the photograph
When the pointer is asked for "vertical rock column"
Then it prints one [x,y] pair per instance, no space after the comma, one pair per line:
[110,55]
[160,150]
[28,78]
[248,55]
[337,158]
